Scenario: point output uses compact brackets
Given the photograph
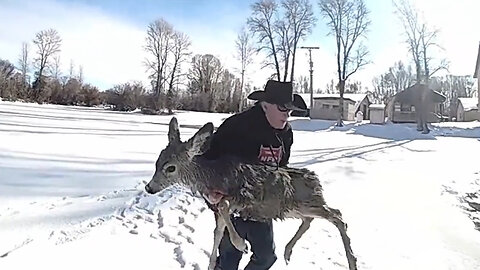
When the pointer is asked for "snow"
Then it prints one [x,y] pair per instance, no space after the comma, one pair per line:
[377,106]
[72,179]
[469,104]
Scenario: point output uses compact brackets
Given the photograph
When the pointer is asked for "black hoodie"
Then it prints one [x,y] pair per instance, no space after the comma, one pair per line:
[249,136]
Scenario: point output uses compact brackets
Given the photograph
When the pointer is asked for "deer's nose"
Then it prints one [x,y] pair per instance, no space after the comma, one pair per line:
[148,189]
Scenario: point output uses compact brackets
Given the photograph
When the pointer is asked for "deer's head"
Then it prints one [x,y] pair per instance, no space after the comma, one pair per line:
[176,157]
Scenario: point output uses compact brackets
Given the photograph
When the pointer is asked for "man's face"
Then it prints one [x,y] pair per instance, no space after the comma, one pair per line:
[277,115]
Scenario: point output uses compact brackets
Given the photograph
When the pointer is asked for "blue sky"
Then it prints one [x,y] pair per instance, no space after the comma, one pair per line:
[106,37]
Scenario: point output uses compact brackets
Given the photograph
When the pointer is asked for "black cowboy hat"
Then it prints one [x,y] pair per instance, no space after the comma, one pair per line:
[280,93]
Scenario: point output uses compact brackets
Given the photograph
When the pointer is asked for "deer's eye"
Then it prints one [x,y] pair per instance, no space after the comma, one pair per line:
[170,169]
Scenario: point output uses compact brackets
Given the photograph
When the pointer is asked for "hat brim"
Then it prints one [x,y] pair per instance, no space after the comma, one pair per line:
[291,106]
[257,95]
[297,105]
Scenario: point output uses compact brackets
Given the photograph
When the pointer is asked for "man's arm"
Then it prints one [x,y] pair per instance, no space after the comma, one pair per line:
[287,144]
[221,139]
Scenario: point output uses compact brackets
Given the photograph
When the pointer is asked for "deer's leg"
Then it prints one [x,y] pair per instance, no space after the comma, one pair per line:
[301,230]
[237,241]
[217,237]
[334,216]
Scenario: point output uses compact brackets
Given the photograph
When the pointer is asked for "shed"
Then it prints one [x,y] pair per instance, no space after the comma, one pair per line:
[377,114]
[325,106]
[467,109]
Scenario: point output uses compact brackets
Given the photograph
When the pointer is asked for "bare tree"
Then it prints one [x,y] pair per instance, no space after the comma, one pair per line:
[262,24]
[280,31]
[56,72]
[80,74]
[428,41]
[284,36]
[299,15]
[396,79]
[410,20]
[158,46]
[245,52]
[205,75]
[225,92]
[301,85]
[71,69]
[7,71]
[348,21]
[420,40]
[127,96]
[48,44]
[24,64]
[400,76]
[180,52]
[453,87]
[354,87]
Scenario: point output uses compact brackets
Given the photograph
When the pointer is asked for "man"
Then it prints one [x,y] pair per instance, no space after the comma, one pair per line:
[260,134]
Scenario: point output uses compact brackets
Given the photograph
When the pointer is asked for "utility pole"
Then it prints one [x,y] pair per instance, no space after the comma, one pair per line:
[311,74]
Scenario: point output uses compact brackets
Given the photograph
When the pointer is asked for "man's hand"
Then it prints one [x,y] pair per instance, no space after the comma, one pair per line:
[214,196]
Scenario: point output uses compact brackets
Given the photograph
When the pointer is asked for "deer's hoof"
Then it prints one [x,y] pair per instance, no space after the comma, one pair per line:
[241,246]
[212,265]
[287,254]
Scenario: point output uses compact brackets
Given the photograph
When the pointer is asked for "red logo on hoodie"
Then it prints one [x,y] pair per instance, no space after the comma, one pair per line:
[269,154]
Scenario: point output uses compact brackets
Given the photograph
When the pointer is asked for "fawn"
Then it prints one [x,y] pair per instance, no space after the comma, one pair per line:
[256,191]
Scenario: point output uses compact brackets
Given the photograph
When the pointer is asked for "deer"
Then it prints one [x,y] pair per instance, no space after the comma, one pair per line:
[254,190]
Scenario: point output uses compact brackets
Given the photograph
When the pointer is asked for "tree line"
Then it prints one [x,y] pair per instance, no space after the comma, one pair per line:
[178,78]
[400,76]
[181,79]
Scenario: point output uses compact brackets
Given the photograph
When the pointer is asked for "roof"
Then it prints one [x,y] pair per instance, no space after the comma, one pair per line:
[468,104]
[411,94]
[377,106]
[356,98]
[477,66]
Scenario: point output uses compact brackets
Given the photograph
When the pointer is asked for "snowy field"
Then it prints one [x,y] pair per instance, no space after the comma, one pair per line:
[72,179]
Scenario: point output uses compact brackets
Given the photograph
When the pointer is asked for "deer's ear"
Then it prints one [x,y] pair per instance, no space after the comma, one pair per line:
[198,144]
[173,132]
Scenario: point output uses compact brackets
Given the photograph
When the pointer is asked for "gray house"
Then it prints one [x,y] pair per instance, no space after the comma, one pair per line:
[402,109]
[477,75]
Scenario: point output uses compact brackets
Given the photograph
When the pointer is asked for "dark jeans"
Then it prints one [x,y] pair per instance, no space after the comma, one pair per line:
[260,237]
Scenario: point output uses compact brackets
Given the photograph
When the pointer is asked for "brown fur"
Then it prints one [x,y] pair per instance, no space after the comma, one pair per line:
[256,191]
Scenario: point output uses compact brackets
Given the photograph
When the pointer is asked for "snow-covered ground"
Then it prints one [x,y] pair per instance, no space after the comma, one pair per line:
[71,193]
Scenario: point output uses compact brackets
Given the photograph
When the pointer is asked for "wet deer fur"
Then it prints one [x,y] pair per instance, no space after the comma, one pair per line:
[256,191]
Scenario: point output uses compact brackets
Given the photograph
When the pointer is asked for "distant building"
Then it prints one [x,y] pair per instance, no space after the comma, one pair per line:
[401,108]
[477,75]
[467,109]
[325,106]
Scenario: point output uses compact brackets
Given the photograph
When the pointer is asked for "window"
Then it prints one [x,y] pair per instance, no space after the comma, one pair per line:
[325,106]
[406,108]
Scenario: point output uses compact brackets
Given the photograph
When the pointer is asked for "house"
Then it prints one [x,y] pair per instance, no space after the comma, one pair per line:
[477,75]
[467,109]
[402,106]
[325,106]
